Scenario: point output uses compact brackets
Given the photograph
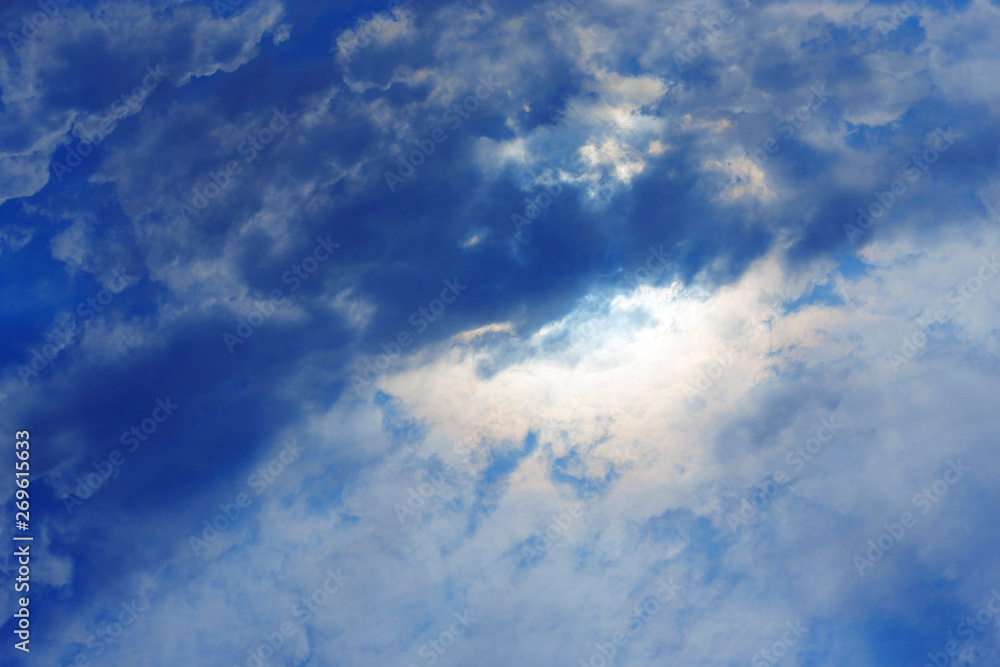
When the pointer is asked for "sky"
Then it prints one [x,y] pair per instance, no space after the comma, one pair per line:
[500,333]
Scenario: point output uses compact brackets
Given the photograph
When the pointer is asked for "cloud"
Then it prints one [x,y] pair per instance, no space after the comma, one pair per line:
[670,329]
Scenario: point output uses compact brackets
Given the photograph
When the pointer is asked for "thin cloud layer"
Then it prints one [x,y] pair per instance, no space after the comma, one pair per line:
[547,333]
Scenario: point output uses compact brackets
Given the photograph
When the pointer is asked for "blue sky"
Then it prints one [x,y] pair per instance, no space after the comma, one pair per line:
[502,333]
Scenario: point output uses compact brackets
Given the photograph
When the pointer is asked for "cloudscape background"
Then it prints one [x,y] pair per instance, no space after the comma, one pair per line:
[502,332]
